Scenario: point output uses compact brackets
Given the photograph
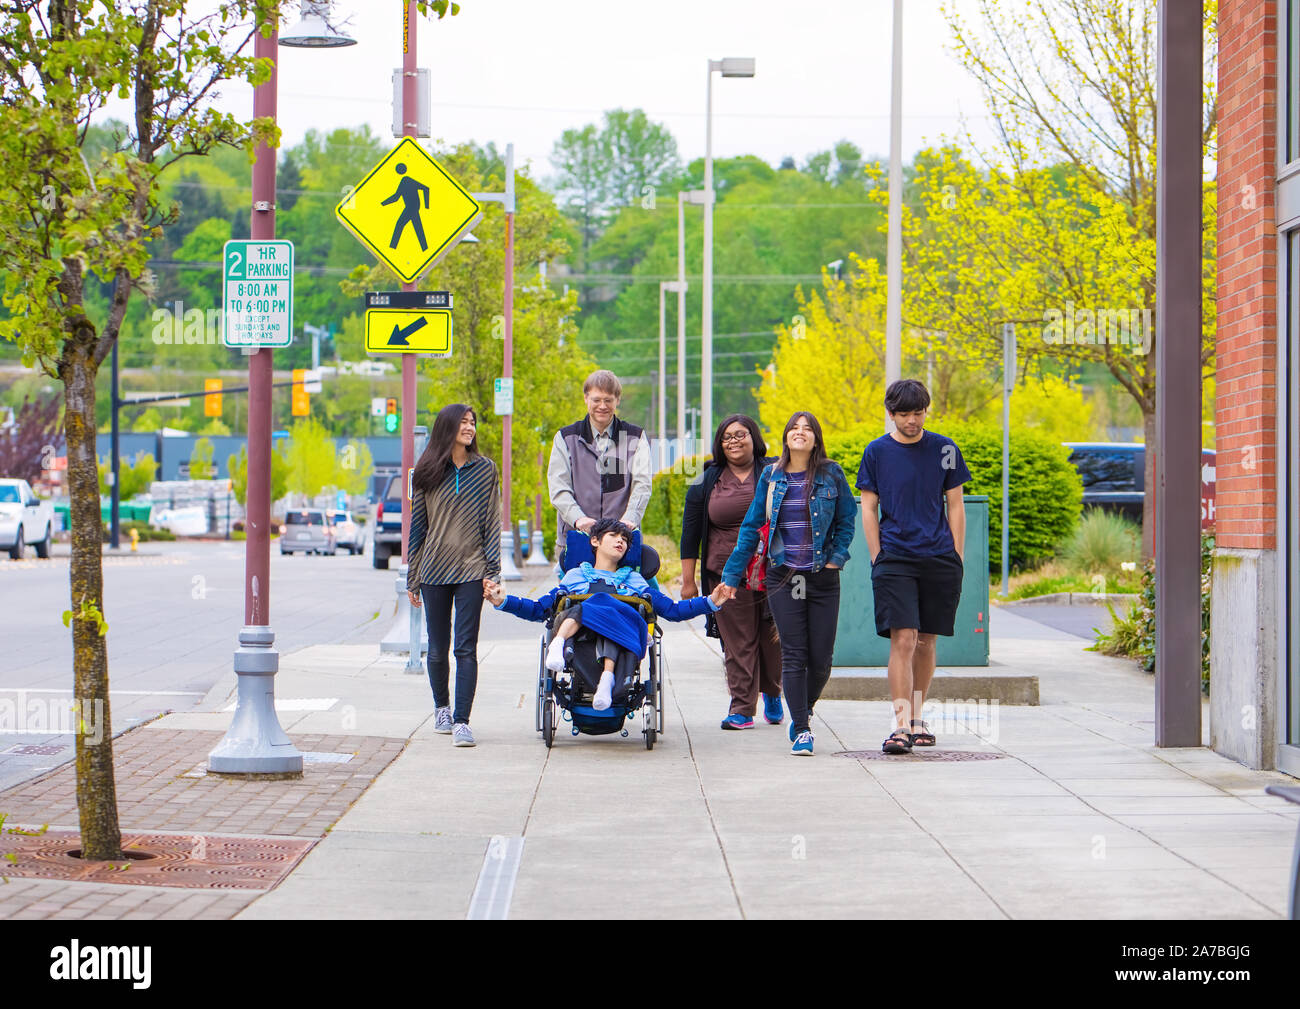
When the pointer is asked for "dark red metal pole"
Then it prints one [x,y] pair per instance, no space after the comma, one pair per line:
[257,548]
[410,128]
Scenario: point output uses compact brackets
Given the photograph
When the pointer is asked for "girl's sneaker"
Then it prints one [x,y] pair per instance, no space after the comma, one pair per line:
[461,736]
[442,721]
[773,712]
[803,745]
[737,722]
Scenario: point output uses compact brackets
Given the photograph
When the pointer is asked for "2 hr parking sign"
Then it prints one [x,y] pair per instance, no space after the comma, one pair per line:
[257,286]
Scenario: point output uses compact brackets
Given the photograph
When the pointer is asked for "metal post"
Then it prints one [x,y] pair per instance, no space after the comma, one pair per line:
[663,385]
[509,570]
[894,239]
[706,309]
[1008,382]
[255,743]
[1178,374]
[681,323]
[537,546]
[115,540]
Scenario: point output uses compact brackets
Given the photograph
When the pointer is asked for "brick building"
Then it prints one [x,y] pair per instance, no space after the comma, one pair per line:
[1255,633]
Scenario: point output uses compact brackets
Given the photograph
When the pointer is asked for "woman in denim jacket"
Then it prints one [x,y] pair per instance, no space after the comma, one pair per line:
[812,510]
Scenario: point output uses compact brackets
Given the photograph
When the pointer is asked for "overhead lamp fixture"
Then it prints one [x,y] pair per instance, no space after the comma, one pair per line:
[313,30]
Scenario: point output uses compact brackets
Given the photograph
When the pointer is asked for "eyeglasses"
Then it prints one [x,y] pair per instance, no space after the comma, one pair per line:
[727,439]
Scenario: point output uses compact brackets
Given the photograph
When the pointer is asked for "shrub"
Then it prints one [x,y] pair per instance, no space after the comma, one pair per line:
[1134,636]
[1046,492]
[663,515]
[1102,541]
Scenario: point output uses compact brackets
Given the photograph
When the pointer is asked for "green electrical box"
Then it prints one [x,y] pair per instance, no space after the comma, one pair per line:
[856,640]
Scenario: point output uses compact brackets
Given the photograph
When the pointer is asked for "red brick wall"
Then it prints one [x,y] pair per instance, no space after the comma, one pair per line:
[1245,410]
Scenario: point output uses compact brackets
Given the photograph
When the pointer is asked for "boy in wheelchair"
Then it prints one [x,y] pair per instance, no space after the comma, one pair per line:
[619,630]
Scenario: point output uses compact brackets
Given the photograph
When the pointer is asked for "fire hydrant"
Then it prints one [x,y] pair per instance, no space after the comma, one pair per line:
[135,538]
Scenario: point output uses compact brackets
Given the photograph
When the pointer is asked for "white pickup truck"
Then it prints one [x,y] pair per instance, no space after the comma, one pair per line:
[24,518]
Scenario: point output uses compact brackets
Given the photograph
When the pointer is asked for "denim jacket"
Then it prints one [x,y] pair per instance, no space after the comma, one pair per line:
[834,510]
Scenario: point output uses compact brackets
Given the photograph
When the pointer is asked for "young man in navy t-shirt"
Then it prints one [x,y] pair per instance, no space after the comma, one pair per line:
[914,477]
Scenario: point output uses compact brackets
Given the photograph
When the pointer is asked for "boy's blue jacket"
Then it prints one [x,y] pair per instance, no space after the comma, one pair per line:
[833,511]
[612,618]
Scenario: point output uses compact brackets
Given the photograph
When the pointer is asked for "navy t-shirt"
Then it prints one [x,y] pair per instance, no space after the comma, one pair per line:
[910,480]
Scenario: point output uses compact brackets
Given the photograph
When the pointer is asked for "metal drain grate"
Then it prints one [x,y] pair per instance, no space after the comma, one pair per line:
[192,861]
[34,749]
[921,756]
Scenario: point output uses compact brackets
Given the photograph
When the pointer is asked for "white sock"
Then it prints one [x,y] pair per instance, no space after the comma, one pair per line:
[555,655]
[604,691]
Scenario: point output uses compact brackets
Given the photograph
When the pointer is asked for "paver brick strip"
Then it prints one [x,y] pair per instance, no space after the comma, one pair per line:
[152,793]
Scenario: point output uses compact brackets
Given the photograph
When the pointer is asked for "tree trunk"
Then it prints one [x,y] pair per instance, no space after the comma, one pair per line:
[101,838]
[1149,485]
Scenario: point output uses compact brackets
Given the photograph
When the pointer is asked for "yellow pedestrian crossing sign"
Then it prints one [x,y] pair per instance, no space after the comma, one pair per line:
[408,211]
[409,331]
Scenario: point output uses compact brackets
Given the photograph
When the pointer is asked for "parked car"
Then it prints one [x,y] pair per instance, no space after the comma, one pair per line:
[1113,475]
[387,536]
[24,518]
[306,530]
[348,533]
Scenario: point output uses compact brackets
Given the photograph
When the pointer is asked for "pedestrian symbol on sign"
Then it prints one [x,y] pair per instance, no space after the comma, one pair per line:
[408,191]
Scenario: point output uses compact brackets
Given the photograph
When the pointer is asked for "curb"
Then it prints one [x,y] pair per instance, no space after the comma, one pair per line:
[1071,599]
[872,684]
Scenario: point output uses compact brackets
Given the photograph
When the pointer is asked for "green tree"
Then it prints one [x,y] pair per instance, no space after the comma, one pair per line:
[68,223]
[1088,104]
[355,467]
[136,476]
[310,459]
[237,468]
[201,467]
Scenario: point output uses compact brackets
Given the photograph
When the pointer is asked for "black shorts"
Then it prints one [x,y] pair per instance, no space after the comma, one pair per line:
[916,592]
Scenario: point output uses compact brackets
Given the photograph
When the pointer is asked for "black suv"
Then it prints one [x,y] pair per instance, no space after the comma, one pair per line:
[1113,475]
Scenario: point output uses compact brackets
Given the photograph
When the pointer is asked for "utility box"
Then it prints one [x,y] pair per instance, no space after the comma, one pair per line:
[856,640]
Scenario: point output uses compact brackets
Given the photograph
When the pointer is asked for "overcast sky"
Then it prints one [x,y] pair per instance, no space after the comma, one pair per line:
[510,70]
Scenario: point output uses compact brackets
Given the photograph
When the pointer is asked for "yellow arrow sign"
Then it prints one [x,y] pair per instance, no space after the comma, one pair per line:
[408,211]
[401,331]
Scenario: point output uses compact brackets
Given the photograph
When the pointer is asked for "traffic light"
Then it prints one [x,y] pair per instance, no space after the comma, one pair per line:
[390,416]
[212,401]
[299,401]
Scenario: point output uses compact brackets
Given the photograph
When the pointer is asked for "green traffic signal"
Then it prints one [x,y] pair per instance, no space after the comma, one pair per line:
[390,422]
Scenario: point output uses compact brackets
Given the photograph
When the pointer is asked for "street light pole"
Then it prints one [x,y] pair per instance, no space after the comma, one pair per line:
[682,197]
[732,66]
[894,241]
[255,743]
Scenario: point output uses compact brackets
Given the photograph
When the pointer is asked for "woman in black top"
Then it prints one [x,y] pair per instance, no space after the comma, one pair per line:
[716,504]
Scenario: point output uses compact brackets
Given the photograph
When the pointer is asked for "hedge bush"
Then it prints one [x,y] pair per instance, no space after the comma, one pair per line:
[1046,492]
[663,516]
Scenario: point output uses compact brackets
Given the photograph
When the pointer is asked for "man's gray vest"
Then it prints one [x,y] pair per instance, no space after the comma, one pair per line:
[602,487]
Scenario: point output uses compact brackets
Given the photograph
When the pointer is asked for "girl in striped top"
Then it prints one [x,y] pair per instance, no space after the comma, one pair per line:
[453,550]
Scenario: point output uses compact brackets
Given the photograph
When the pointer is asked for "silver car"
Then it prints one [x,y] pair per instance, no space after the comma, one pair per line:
[306,530]
[348,534]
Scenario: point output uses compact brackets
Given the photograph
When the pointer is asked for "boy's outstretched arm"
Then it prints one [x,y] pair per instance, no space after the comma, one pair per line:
[670,609]
[520,606]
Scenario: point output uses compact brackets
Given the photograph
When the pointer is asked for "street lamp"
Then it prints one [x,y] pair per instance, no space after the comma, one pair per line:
[894,239]
[255,743]
[313,30]
[734,66]
[685,196]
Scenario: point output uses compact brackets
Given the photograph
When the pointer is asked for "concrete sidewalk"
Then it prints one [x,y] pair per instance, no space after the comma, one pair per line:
[1061,810]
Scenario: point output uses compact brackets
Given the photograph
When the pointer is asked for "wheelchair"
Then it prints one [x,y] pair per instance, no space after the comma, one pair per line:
[567,696]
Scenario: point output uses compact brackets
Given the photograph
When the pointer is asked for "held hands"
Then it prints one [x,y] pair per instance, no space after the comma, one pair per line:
[721,594]
[493,592]
[689,589]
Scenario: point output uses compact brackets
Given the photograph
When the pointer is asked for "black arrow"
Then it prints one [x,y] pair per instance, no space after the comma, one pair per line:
[398,337]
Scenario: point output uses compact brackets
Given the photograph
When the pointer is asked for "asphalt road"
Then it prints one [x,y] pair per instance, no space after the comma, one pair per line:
[174,612]
[1078,620]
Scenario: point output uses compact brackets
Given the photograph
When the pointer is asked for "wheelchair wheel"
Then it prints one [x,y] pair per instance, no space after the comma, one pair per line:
[548,721]
[648,725]
[541,683]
